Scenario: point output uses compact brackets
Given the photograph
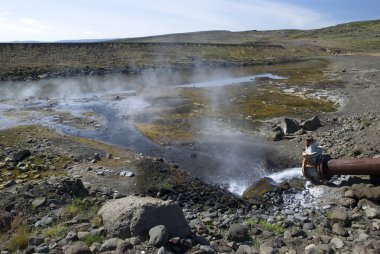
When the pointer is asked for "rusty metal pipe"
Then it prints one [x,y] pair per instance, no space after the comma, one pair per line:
[322,167]
[367,166]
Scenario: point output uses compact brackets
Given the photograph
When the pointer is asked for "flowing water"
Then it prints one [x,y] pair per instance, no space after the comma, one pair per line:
[106,109]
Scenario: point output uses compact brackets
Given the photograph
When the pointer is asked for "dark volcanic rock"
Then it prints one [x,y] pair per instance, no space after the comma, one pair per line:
[5,220]
[19,156]
[311,124]
[291,125]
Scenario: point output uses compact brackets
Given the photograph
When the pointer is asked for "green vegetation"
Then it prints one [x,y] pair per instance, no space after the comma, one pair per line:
[74,208]
[55,232]
[275,228]
[19,239]
[90,239]
[250,222]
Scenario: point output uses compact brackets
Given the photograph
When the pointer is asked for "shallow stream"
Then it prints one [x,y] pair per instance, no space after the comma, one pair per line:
[106,109]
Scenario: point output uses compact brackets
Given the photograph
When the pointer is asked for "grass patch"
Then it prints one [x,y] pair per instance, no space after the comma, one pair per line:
[74,208]
[55,232]
[250,222]
[19,239]
[275,228]
[90,239]
[166,132]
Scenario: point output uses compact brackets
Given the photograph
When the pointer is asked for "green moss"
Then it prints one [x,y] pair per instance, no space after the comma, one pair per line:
[275,228]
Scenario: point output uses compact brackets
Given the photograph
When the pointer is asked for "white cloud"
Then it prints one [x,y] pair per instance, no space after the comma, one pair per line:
[119,19]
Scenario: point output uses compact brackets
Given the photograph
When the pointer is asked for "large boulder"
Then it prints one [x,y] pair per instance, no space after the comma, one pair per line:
[340,216]
[78,248]
[291,125]
[311,124]
[237,233]
[135,216]
[360,191]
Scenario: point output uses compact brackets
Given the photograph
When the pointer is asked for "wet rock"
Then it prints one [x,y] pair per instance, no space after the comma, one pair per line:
[311,124]
[158,236]
[5,220]
[78,248]
[257,190]
[135,216]
[340,216]
[237,233]
[291,125]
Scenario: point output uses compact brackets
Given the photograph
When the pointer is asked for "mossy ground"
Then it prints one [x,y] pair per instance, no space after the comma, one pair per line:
[244,106]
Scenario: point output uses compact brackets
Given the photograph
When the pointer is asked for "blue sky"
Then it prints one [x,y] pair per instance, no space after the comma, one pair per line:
[51,20]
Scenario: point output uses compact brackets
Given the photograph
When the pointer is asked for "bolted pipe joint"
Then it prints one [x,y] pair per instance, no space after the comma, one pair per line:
[317,166]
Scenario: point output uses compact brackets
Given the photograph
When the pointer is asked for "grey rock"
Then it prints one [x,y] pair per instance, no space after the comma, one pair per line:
[158,236]
[72,236]
[237,233]
[244,249]
[135,241]
[337,242]
[42,249]
[110,244]
[95,247]
[78,248]
[82,234]
[38,202]
[135,216]
[265,249]
[372,213]
[311,124]
[339,229]
[347,202]
[318,249]
[207,249]
[339,215]
[308,226]
[123,247]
